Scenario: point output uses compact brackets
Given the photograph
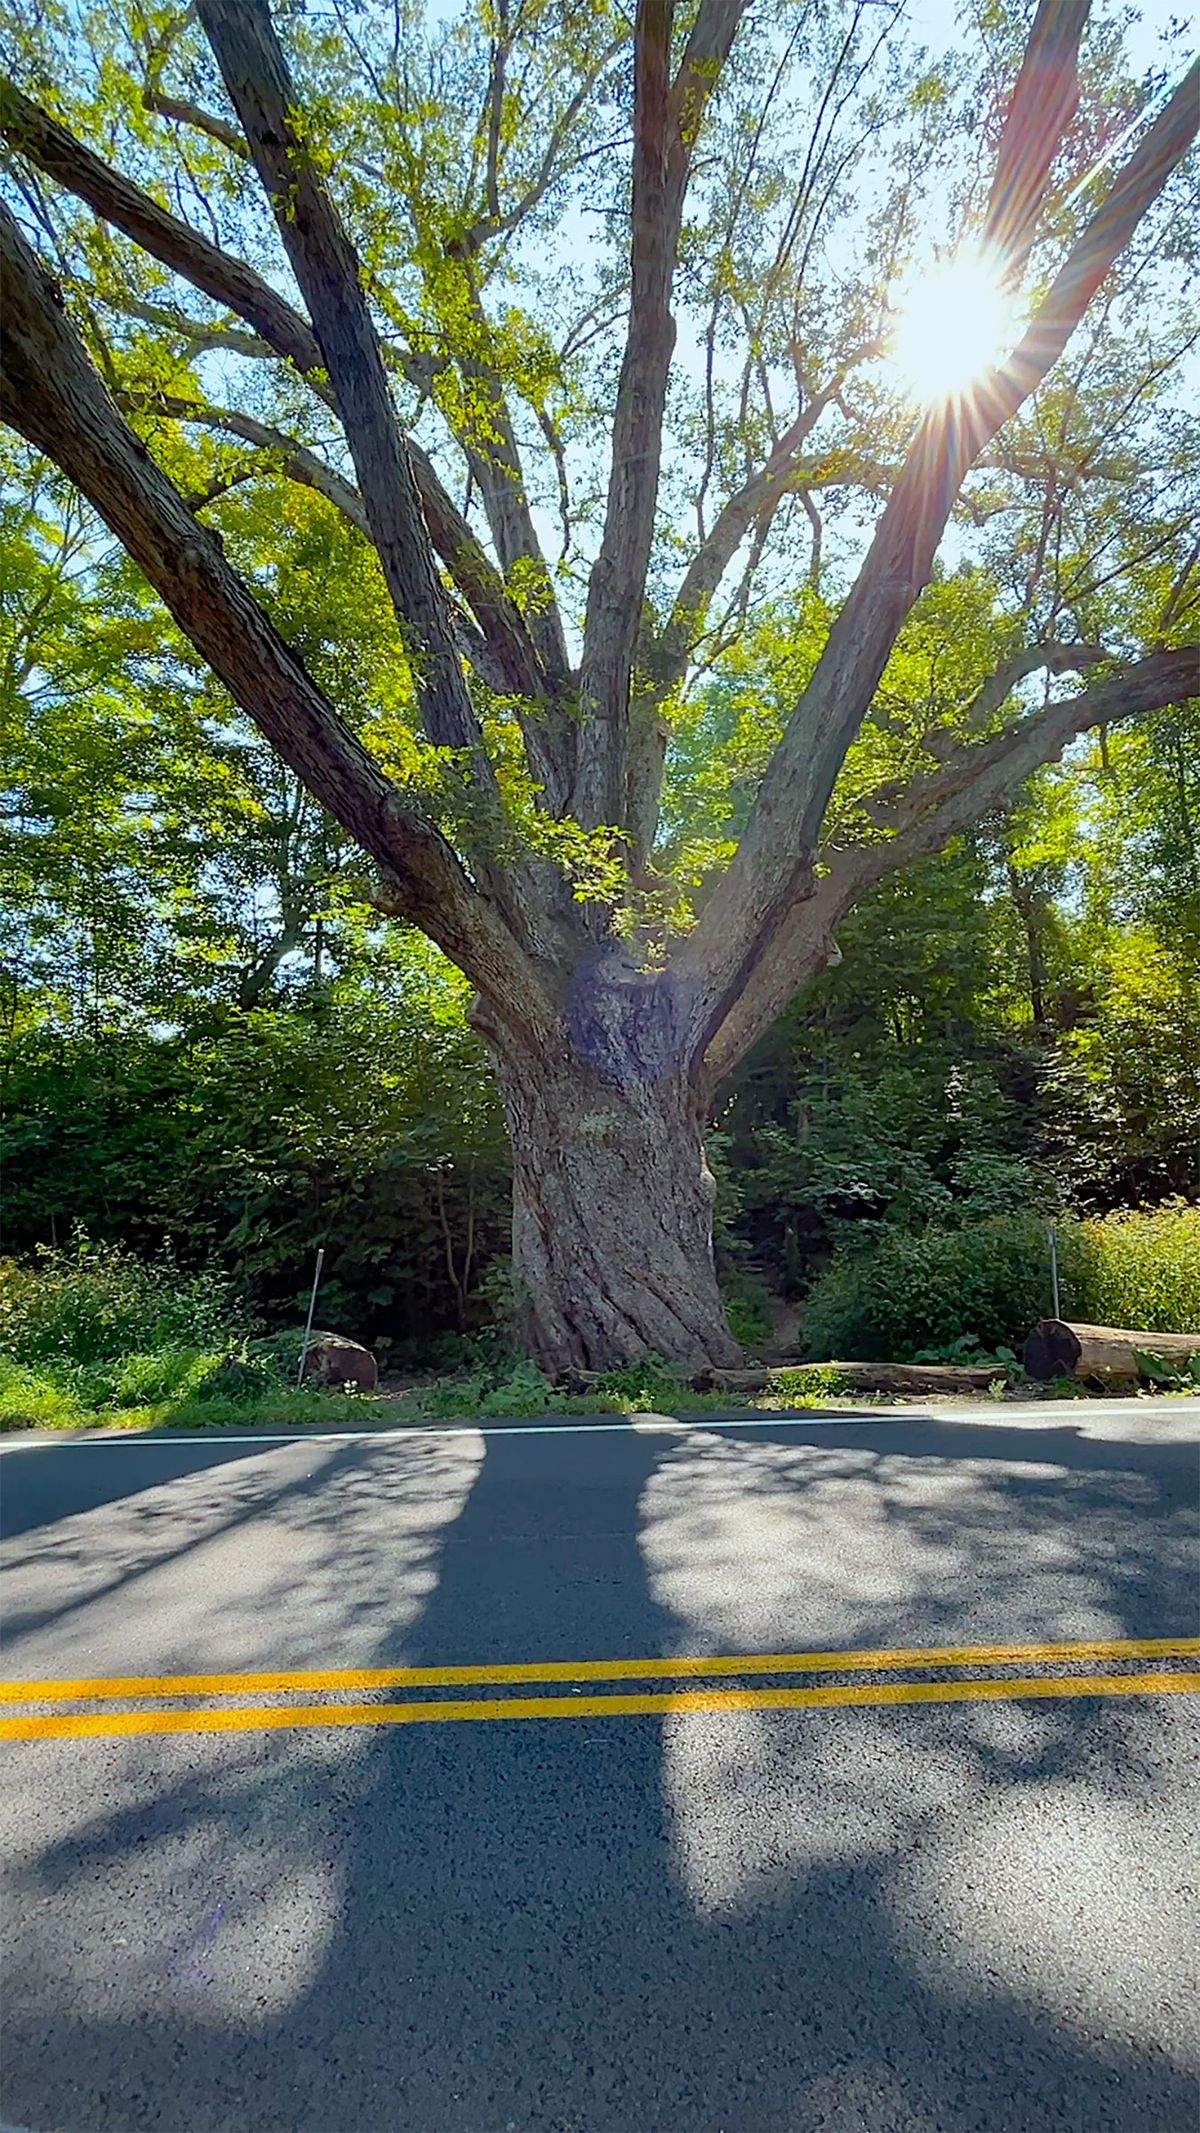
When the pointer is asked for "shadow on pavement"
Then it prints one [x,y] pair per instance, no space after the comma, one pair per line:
[37,1481]
[859,1921]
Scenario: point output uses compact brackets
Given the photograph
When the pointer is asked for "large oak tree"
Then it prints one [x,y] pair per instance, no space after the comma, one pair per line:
[377,198]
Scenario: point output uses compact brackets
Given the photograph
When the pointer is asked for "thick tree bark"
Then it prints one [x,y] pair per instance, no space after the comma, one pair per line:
[612,1224]
[612,1193]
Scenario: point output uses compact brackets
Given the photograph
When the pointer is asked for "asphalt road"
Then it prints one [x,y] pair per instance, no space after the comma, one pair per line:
[734,1901]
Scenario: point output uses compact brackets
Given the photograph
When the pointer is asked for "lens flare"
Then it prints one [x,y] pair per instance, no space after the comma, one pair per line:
[955,322]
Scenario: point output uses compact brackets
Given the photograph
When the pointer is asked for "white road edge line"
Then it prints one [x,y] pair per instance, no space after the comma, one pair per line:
[645,1425]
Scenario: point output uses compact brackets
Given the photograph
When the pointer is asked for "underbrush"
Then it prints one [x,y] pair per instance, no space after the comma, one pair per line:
[93,1338]
[1141,1267]
[96,1303]
[975,1293]
[178,1390]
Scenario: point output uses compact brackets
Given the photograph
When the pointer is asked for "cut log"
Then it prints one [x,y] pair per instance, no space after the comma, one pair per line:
[1109,1354]
[948,1379]
[944,1378]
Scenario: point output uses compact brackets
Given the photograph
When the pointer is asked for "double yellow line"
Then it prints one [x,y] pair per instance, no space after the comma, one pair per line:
[962,1686]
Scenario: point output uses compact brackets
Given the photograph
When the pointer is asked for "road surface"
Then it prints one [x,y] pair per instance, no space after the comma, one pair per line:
[675,1778]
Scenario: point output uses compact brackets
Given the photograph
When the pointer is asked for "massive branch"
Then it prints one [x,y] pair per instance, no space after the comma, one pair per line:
[260,88]
[228,281]
[973,779]
[773,864]
[666,119]
[279,328]
[52,394]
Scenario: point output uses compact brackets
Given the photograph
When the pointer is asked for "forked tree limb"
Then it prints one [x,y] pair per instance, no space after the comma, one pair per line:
[501,223]
[274,449]
[1038,658]
[973,779]
[234,285]
[759,496]
[230,282]
[295,460]
[503,654]
[53,395]
[772,866]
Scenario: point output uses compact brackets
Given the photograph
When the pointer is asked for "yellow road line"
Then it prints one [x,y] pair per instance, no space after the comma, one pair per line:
[91,1725]
[683,1667]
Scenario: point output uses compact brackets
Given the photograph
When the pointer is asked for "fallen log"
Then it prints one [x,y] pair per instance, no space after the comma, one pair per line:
[944,1378]
[1109,1354]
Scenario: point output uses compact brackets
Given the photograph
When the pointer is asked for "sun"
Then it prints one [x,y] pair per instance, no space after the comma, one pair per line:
[955,322]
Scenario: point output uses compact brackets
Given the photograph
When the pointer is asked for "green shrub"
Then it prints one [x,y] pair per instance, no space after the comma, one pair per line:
[38,1399]
[523,1391]
[170,1373]
[812,1385]
[747,1307]
[1139,1268]
[95,1303]
[908,1293]
[986,1286]
[253,1369]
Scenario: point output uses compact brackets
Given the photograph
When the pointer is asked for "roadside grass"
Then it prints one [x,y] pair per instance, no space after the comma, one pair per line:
[93,1338]
[50,1399]
[62,1398]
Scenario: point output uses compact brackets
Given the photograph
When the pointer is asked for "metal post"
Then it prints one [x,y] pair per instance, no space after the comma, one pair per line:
[312,1305]
[1052,1235]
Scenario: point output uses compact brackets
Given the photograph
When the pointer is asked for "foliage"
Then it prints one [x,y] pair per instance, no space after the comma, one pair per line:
[96,1303]
[949,1295]
[211,1035]
[1139,1268]
[369,1126]
[969,1350]
[185,1389]
[51,1398]
[1167,1376]
[911,1292]
[809,1385]
[747,1307]
[151,1379]
[37,1399]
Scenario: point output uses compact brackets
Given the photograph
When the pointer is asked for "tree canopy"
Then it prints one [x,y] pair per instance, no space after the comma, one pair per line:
[505,407]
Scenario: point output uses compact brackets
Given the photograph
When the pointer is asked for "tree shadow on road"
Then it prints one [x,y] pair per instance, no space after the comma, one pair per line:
[91,1474]
[860,1921]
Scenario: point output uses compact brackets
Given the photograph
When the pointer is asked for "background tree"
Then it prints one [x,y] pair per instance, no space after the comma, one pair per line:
[500,758]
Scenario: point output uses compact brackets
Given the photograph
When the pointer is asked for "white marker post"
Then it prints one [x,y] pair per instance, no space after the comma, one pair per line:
[312,1305]
[1052,1237]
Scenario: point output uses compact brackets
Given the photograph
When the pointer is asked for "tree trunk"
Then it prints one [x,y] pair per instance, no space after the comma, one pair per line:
[1030,911]
[612,1193]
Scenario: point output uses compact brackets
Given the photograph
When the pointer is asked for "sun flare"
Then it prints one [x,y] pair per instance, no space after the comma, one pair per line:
[955,321]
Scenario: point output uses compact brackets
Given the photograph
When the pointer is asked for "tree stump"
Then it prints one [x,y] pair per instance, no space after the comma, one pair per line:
[334,1360]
